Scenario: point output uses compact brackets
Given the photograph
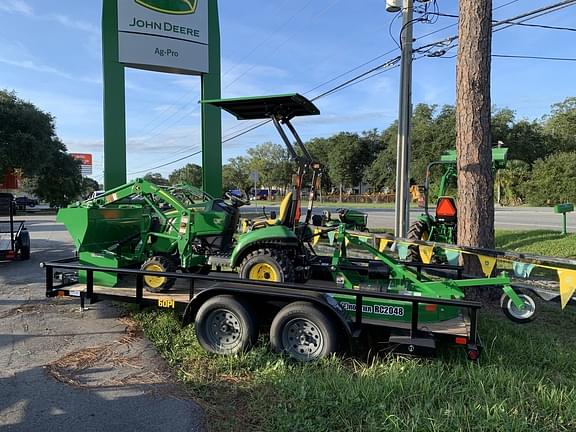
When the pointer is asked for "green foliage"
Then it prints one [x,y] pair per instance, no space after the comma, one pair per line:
[236,175]
[272,163]
[157,179]
[513,181]
[348,158]
[552,180]
[28,144]
[561,125]
[88,186]
[190,174]
[60,182]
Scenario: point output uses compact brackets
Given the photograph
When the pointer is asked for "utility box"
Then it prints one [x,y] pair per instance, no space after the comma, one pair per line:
[563,209]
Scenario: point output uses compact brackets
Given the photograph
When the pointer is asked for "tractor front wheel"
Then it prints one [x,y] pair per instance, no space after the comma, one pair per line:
[160,264]
[419,230]
[267,265]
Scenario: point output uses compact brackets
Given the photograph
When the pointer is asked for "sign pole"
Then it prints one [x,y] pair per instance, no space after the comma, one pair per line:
[114,100]
[211,116]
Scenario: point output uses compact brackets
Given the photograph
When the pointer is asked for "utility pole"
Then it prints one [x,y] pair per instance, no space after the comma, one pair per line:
[402,214]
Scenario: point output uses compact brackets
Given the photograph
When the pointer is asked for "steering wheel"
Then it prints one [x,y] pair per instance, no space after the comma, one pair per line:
[236,201]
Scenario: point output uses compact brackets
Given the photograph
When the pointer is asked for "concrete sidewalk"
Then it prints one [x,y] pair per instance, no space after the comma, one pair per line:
[66,370]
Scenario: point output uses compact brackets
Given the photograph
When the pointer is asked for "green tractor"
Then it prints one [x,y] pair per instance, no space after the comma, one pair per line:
[442,226]
[164,229]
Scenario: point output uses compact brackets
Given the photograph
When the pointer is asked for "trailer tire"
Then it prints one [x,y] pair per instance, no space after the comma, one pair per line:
[226,325]
[161,264]
[24,245]
[419,230]
[268,265]
[516,315]
[304,332]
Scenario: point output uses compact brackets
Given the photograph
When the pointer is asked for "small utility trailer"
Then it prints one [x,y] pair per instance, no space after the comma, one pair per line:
[306,321]
[14,237]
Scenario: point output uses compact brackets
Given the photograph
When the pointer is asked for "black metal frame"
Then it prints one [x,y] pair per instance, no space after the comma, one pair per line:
[255,288]
[13,236]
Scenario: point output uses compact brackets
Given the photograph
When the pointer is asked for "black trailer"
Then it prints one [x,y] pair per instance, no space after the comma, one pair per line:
[14,237]
[303,320]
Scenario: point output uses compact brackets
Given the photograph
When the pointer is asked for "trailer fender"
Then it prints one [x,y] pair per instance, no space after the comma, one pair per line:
[323,301]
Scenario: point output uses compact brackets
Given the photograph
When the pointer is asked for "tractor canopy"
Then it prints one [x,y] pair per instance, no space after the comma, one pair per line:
[286,106]
[499,157]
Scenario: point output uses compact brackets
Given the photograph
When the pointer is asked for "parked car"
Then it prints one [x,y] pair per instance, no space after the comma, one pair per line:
[23,202]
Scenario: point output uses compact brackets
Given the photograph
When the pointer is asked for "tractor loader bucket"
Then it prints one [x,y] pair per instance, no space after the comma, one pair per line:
[106,237]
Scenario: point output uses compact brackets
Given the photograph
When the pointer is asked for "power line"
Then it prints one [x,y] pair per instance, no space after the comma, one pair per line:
[166,164]
[534,57]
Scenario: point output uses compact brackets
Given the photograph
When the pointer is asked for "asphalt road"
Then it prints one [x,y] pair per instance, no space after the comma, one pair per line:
[66,370]
[508,218]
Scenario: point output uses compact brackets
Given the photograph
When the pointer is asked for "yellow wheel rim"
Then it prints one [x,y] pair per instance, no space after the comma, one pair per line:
[154,281]
[264,272]
[425,236]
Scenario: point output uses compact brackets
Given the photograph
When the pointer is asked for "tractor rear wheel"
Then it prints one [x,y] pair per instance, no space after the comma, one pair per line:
[160,264]
[304,332]
[268,265]
[419,230]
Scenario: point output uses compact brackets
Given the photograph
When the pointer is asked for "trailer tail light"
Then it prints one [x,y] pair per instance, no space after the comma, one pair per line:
[460,340]
[446,208]
[430,308]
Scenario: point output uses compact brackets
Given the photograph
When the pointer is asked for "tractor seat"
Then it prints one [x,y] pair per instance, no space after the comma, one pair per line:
[282,219]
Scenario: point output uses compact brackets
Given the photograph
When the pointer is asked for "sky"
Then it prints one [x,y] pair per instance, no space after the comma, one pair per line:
[50,54]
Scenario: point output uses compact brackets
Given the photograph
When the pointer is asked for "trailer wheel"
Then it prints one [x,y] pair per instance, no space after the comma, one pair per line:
[267,265]
[520,316]
[304,332]
[226,325]
[24,245]
[419,230]
[158,284]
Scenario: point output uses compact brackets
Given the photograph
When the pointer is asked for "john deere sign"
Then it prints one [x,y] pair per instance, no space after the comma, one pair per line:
[164,35]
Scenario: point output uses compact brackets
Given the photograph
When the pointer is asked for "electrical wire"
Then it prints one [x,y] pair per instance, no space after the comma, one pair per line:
[534,57]
[375,71]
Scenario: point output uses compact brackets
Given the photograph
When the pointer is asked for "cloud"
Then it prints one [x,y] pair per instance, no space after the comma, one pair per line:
[16,6]
[23,8]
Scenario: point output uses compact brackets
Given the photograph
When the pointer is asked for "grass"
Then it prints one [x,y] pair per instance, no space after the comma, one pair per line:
[525,379]
[539,242]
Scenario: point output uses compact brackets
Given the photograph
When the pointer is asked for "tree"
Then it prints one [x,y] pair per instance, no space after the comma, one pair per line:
[272,163]
[561,125]
[236,175]
[190,174]
[59,182]
[513,180]
[552,180]
[157,179]
[473,134]
[89,186]
[28,144]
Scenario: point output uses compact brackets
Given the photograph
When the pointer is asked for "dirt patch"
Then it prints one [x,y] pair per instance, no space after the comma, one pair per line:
[25,308]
